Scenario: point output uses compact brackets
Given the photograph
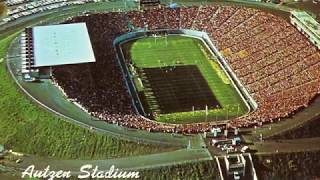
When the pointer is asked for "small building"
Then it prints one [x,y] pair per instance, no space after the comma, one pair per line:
[236,140]
[235,165]
[216,142]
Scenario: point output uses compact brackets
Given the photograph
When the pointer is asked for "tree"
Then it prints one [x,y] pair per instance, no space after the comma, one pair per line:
[3,9]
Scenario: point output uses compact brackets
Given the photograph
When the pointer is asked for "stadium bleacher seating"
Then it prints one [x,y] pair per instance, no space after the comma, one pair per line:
[275,62]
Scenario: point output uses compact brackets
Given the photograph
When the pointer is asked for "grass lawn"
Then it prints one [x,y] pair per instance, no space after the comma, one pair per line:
[176,51]
[26,128]
[199,170]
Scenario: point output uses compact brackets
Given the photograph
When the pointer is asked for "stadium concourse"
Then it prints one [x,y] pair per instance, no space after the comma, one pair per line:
[276,63]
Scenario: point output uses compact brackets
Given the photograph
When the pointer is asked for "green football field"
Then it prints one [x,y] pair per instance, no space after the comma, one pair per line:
[159,63]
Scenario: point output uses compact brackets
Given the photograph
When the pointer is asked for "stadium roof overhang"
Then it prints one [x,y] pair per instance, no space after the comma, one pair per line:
[308,22]
[62,44]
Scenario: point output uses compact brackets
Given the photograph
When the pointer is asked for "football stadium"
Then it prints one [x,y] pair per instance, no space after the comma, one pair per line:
[171,89]
[180,69]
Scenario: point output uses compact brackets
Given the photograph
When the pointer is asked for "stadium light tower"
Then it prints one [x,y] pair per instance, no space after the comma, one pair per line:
[238,109]
[227,112]
[125,4]
[139,5]
[207,113]
[216,113]
[193,110]
[189,145]
[166,37]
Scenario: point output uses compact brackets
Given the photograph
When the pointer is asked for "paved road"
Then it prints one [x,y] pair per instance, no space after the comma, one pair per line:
[269,130]
[285,146]
[143,162]
[72,10]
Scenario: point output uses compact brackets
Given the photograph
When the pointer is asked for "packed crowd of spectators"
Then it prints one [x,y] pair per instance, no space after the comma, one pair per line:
[278,65]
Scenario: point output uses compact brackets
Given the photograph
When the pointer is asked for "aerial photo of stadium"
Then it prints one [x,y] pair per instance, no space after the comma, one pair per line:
[229,89]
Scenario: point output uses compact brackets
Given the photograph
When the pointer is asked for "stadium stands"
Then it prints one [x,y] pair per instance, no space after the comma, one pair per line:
[277,64]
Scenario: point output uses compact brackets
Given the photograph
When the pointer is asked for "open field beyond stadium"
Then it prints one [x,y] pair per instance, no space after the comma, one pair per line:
[178,75]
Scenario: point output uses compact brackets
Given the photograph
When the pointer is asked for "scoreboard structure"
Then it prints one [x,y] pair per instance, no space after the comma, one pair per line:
[146,3]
